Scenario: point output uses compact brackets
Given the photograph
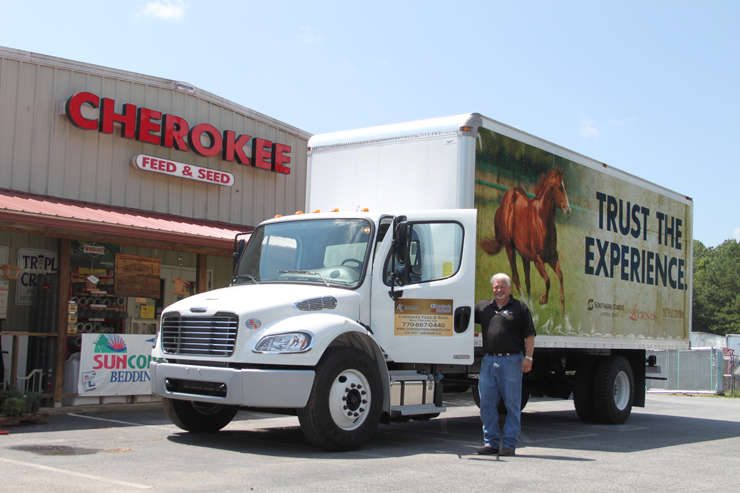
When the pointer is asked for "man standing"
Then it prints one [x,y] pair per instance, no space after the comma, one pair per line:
[508,342]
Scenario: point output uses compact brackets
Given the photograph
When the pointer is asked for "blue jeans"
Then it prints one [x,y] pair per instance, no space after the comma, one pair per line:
[501,378]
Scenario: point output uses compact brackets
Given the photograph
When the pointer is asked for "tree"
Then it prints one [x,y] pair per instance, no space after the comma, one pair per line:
[717,288]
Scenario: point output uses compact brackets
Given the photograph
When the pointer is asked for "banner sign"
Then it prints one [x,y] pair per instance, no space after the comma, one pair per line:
[33,263]
[115,364]
[420,317]
[612,253]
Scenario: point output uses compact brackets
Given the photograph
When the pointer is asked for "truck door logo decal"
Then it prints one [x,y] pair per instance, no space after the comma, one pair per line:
[422,317]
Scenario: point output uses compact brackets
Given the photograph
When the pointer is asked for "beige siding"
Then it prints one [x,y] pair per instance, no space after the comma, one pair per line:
[8,89]
[42,152]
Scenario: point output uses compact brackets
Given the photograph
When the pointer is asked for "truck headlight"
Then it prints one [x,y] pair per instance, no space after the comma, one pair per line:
[290,342]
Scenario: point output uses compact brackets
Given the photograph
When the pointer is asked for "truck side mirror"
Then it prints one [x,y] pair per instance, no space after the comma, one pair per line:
[399,254]
[239,245]
[402,242]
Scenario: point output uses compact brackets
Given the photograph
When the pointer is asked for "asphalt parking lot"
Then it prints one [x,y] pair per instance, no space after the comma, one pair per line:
[676,443]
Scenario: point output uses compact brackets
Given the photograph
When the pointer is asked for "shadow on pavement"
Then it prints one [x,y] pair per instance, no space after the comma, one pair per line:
[559,430]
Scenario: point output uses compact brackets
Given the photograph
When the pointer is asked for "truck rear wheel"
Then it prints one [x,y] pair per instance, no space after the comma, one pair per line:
[345,404]
[613,390]
[199,417]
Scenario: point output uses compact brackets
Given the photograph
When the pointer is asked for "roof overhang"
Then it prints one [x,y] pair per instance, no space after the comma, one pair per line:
[72,219]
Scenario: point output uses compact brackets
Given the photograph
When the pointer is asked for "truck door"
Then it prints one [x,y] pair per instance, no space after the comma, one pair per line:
[426,317]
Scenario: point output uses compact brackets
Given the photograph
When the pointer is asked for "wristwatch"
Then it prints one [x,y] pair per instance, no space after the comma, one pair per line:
[529,358]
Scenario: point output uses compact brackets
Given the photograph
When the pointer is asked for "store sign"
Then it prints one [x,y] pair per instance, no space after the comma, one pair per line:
[182,170]
[137,276]
[89,111]
[93,249]
[34,264]
[115,364]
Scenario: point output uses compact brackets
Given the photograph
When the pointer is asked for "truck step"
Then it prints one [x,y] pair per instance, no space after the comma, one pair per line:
[416,410]
[410,389]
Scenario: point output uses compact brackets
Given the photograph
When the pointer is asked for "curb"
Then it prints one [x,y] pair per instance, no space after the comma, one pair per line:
[101,408]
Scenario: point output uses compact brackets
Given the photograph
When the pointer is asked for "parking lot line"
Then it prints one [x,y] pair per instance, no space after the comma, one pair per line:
[78,474]
[107,420]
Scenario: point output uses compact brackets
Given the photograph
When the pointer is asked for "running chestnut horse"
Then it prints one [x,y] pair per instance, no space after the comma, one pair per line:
[527,226]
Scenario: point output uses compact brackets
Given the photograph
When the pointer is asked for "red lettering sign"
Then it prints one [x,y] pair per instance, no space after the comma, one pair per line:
[148,128]
[211,133]
[234,147]
[74,110]
[281,158]
[127,119]
[174,132]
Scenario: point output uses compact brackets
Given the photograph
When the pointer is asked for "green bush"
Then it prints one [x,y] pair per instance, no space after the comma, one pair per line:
[14,406]
[13,403]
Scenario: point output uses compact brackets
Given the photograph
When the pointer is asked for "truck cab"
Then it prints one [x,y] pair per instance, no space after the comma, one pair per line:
[341,318]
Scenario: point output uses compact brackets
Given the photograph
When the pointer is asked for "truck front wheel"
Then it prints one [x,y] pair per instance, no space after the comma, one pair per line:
[199,417]
[345,404]
[613,390]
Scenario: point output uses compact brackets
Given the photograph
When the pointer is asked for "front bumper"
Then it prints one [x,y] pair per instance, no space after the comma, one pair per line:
[239,387]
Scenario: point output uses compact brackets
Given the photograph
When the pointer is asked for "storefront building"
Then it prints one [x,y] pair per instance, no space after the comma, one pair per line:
[120,193]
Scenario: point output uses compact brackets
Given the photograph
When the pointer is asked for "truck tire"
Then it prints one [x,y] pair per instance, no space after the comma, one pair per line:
[344,408]
[199,417]
[613,390]
[583,392]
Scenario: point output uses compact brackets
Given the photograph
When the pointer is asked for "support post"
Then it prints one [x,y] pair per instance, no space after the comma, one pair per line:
[65,249]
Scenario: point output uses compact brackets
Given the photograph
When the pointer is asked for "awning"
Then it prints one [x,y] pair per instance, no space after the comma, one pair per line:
[94,222]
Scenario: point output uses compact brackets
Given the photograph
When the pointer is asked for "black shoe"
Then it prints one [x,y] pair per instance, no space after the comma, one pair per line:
[488,450]
[507,452]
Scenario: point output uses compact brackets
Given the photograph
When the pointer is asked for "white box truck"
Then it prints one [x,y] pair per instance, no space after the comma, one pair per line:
[359,311]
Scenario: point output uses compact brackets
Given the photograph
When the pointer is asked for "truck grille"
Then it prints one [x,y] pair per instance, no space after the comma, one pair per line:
[207,336]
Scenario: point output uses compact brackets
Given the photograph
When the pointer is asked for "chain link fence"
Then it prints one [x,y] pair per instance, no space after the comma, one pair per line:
[712,370]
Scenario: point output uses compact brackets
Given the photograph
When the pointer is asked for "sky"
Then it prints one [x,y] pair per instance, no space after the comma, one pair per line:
[649,87]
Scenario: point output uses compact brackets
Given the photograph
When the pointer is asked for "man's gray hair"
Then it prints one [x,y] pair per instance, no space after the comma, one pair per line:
[501,277]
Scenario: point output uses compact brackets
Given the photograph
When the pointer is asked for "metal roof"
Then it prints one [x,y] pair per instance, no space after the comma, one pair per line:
[65,217]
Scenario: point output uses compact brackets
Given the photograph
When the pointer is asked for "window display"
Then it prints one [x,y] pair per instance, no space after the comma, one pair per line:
[93,306]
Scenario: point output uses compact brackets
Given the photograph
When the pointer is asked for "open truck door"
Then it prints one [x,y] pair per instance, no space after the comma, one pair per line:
[423,288]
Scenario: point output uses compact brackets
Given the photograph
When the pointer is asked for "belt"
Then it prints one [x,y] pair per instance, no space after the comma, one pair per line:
[503,354]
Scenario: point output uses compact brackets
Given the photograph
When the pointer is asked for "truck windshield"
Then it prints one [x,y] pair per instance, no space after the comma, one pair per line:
[332,252]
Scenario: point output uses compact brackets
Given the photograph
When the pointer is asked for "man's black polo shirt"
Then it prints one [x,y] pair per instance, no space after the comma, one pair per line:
[504,329]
